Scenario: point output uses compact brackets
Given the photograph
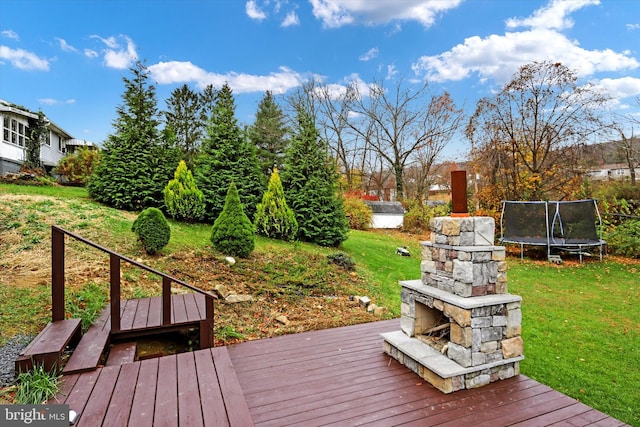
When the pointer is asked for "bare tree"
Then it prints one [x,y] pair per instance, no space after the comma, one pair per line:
[527,136]
[349,147]
[400,124]
[628,147]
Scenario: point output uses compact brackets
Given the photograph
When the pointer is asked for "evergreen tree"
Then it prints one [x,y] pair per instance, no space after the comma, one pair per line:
[182,197]
[232,232]
[226,156]
[185,122]
[274,218]
[268,134]
[310,183]
[136,163]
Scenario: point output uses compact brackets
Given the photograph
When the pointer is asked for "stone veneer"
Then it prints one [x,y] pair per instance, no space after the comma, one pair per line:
[464,281]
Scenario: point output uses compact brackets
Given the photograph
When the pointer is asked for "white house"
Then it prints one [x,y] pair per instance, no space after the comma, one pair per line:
[15,133]
[386,214]
[611,171]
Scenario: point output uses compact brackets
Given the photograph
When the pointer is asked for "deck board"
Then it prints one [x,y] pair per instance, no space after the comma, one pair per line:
[121,401]
[341,377]
[190,413]
[213,410]
[167,392]
[144,398]
[338,377]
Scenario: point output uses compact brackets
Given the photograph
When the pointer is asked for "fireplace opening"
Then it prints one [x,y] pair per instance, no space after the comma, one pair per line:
[432,327]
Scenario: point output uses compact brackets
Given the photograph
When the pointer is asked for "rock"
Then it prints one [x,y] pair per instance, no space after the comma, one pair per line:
[230,260]
[364,301]
[379,311]
[282,319]
[371,308]
[222,291]
[233,298]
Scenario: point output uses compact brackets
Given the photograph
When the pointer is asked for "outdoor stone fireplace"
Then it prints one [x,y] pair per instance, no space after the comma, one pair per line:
[460,328]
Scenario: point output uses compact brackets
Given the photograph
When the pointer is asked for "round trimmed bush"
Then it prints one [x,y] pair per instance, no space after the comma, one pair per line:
[152,229]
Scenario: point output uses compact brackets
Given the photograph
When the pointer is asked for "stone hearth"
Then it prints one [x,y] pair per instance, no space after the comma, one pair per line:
[459,326]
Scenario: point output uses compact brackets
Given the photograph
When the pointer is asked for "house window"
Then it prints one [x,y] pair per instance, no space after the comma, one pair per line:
[14,132]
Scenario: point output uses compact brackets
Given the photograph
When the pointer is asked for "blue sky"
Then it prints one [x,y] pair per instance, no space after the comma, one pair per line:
[68,57]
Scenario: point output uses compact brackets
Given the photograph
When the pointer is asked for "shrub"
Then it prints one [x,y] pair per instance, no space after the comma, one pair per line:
[624,239]
[152,229]
[274,218]
[182,198]
[418,215]
[76,168]
[342,260]
[232,232]
[358,213]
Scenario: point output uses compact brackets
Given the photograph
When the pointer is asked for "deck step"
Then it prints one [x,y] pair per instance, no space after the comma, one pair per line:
[122,353]
[88,353]
[47,347]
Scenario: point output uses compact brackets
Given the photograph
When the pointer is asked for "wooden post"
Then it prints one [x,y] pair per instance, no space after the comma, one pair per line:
[206,326]
[57,274]
[166,300]
[459,194]
[114,291]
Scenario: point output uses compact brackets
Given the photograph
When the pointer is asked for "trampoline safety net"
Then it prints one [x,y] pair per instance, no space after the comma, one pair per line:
[567,225]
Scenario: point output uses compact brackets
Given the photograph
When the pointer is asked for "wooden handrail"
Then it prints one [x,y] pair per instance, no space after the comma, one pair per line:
[58,277]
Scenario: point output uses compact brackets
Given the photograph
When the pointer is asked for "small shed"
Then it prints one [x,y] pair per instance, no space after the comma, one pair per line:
[386,214]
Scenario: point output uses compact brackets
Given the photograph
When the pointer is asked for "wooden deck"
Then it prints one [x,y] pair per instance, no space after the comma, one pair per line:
[138,317]
[331,377]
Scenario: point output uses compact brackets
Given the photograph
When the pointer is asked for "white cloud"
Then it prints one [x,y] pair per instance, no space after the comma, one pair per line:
[369,55]
[66,47]
[52,101]
[552,16]
[290,20]
[23,60]
[624,87]
[175,72]
[10,34]
[90,53]
[337,13]
[116,55]
[392,71]
[254,12]
[632,27]
[498,57]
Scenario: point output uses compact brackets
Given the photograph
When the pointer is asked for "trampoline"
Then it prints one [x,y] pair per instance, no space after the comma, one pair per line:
[571,226]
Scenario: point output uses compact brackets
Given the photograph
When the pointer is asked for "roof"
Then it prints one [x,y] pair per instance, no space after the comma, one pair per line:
[17,109]
[393,208]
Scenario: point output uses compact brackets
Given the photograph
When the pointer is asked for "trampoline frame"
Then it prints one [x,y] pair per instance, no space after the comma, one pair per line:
[551,241]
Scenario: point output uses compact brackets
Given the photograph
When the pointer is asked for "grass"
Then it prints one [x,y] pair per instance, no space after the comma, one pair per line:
[581,329]
[37,386]
[581,323]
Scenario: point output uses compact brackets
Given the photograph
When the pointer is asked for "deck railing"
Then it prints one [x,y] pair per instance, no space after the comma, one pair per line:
[58,278]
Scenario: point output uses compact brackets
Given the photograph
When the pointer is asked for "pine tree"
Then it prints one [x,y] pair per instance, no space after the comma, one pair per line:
[232,232]
[182,198]
[268,134]
[184,120]
[310,184]
[136,163]
[227,157]
[274,218]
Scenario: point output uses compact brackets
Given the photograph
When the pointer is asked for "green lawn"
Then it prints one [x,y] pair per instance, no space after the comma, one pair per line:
[581,329]
[581,323]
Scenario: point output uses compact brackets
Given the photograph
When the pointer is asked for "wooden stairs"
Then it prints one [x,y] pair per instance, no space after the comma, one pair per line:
[120,321]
